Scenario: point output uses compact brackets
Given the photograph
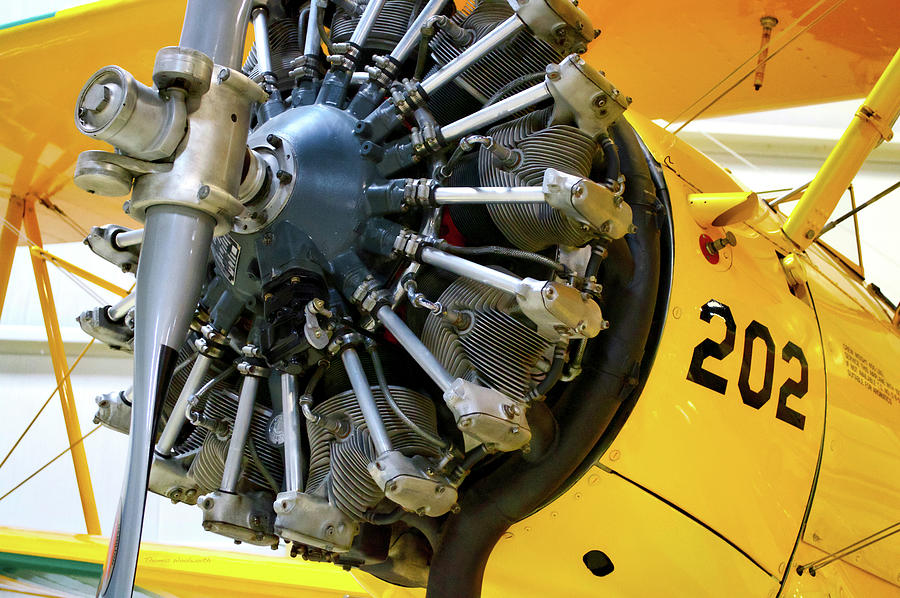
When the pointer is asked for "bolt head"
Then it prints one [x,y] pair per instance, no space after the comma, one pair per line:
[203,192]
[96,98]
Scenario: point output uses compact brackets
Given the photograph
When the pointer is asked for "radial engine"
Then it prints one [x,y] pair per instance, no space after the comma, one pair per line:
[431,279]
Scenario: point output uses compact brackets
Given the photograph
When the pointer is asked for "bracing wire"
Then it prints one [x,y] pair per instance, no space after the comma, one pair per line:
[47,402]
[806,28]
[50,462]
[762,49]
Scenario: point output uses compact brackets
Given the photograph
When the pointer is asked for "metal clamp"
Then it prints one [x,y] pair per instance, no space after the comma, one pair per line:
[871,116]
[407,97]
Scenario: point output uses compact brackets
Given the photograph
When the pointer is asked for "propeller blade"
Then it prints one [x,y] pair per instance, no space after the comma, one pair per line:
[170,274]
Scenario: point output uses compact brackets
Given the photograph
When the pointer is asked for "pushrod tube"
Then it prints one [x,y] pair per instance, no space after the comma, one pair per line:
[261,37]
[239,433]
[176,420]
[487,195]
[463,267]
[366,400]
[496,111]
[415,347]
[411,37]
[312,40]
[498,35]
[366,22]
[129,238]
[290,416]
[117,312]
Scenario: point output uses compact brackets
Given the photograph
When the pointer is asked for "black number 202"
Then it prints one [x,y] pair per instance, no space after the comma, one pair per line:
[719,350]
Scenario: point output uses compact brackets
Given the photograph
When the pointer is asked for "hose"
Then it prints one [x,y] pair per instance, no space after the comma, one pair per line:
[261,467]
[513,84]
[553,376]
[613,165]
[499,251]
[386,391]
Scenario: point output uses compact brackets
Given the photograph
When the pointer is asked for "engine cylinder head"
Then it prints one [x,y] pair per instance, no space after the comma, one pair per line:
[523,55]
[533,227]
[219,404]
[493,344]
[339,468]
[390,25]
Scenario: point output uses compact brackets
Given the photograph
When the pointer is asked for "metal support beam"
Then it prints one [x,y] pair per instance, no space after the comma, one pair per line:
[60,369]
[43,254]
[870,126]
[9,237]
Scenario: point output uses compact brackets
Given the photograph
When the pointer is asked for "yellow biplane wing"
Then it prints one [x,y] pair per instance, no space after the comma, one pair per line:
[63,565]
[664,55]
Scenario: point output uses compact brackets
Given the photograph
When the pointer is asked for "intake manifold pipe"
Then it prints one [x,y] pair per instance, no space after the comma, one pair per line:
[182,208]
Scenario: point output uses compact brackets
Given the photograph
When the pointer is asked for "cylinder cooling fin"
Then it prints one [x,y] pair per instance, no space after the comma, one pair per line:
[440,227]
